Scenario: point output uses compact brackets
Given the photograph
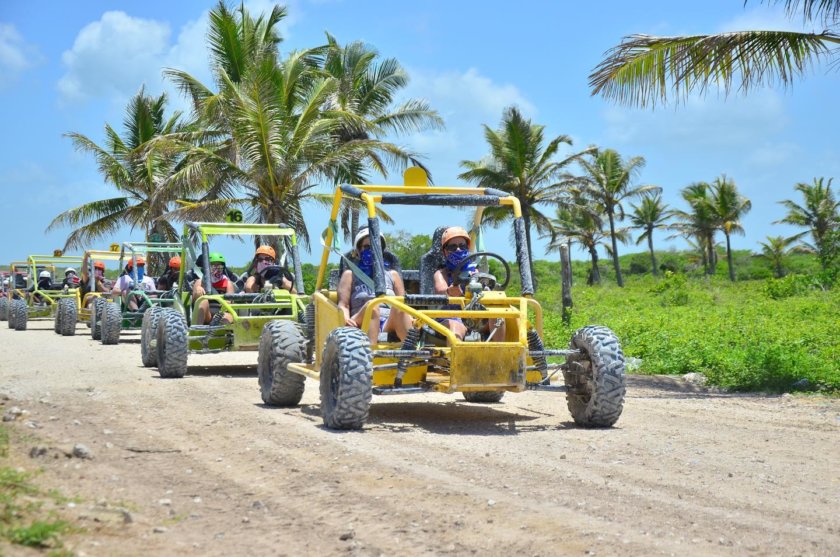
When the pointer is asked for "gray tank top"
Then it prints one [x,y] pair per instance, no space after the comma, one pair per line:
[360,294]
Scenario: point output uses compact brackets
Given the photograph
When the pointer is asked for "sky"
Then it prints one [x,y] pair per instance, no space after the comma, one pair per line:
[76,69]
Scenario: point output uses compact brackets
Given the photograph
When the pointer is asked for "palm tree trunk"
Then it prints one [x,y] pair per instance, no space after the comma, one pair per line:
[653,267]
[526,220]
[729,258]
[616,265]
[710,245]
[595,274]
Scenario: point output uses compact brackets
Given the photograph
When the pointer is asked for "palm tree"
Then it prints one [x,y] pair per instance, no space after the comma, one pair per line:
[644,70]
[521,164]
[820,213]
[728,206]
[698,223]
[609,180]
[365,92]
[578,222]
[649,215]
[774,250]
[137,167]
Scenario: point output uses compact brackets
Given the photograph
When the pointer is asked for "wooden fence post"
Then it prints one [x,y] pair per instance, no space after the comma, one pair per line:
[566,272]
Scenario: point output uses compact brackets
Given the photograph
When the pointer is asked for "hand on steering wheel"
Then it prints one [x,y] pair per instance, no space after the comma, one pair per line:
[464,278]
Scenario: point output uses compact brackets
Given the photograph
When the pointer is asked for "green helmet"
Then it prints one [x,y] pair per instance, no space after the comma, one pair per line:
[217,257]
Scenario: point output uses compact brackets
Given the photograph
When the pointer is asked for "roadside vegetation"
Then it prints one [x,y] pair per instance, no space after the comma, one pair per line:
[27,512]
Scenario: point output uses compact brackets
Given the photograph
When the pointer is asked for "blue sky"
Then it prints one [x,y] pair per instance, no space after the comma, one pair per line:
[75,70]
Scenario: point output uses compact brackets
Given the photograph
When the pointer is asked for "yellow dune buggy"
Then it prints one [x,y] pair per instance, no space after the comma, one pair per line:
[432,358]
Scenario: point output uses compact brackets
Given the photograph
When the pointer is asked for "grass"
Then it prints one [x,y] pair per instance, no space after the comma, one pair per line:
[23,519]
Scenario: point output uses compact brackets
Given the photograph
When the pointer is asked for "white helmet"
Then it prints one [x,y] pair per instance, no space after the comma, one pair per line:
[70,270]
[44,274]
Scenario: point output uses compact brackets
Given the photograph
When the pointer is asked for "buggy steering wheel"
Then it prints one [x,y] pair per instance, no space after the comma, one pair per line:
[456,272]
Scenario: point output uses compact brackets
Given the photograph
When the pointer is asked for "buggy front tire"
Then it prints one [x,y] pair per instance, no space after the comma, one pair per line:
[172,344]
[148,336]
[281,343]
[346,379]
[4,308]
[595,377]
[19,309]
[66,316]
[110,324]
[96,317]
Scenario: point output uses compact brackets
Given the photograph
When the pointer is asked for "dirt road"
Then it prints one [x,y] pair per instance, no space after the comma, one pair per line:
[199,466]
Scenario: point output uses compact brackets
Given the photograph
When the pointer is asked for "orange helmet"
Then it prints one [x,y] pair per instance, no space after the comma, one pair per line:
[140,261]
[175,262]
[266,250]
[454,232]
[99,265]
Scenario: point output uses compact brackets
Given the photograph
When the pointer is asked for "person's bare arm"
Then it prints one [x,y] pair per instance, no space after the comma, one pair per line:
[441,286]
[399,287]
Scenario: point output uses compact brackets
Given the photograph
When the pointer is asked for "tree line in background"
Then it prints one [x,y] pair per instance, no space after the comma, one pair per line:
[273,128]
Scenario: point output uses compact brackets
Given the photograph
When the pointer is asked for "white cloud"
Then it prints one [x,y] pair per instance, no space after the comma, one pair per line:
[703,123]
[114,55]
[15,55]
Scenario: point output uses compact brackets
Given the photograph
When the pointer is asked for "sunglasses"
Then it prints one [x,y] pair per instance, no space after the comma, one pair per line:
[455,247]
[264,258]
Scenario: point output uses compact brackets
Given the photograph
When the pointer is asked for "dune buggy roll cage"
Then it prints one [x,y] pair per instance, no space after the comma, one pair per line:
[416,191]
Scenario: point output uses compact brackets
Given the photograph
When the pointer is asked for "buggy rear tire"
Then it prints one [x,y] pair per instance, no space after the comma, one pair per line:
[4,308]
[110,324]
[172,344]
[595,377]
[309,330]
[484,396]
[19,309]
[65,317]
[281,343]
[148,334]
[96,317]
[346,379]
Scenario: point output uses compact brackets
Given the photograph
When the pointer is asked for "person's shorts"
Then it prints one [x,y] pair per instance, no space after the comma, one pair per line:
[444,320]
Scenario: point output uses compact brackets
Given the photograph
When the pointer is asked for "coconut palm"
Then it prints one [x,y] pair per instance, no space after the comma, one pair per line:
[651,213]
[523,165]
[137,167]
[365,92]
[577,222]
[819,213]
[698,223]
[728,207]
[774,250]
[609,182]
[643,70]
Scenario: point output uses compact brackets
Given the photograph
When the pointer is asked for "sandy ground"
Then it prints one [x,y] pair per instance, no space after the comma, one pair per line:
[199,466]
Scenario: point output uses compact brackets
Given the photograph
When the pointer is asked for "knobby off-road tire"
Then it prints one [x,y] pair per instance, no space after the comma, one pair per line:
[19,310]
[346,379]
[96,318]
[596,397]
[281,343]
[148,333]
[10,313]
[110,324]
[57,321]
[4,308]
[172,344]
[484,396]
[67,313]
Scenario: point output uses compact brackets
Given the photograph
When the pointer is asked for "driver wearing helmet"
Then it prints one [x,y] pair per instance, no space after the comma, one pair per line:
[266,270]
[221,284]
[168,279]
[44,283]
[71,279]
[125,283]
[455,244]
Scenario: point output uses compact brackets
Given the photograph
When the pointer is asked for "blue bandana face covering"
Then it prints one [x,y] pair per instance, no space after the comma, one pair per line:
[456,257]
[366,261]
[141,272]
